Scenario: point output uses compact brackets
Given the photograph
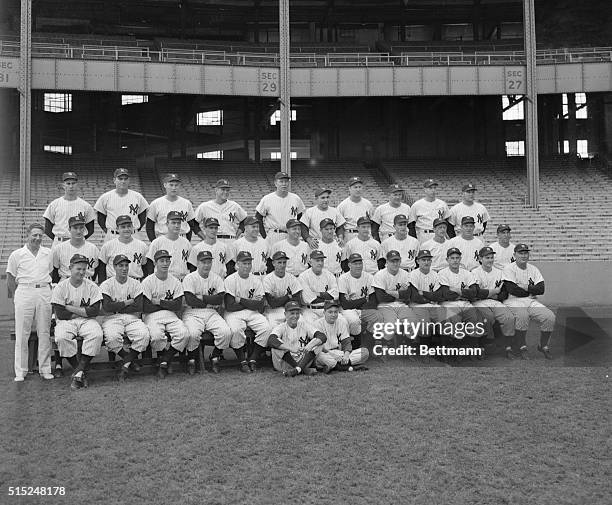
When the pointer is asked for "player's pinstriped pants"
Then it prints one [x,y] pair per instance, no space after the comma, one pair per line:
[461,310]
[358,319]
[528,308]
[493,310]
[395,311]
[164,321]
[200,320]
[116,326]
[332,357]
[239,321]
[66,331]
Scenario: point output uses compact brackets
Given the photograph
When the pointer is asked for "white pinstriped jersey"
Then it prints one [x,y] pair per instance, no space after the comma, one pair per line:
[135,250]
[280,286]
[438,251]
[114,205]
[260,250]
[384,215]
[86,295]
[461,280]
[222,254]
[313,216]
[313,284]
[298,255]
[179,249]
[159,208]
[352,211]
[334,332]
[167,289]
[356,287]
[118,292]
[503,255]
[229,215]
[333,256]
[477,210]
[387,282]
[64,251]
[60,210]
[277,210]
[423,212]
[408,249]
[250,288]
[488,280]
[198,285]
[298,336]
[369,250]
[469,250]
[424,282]
[522,278]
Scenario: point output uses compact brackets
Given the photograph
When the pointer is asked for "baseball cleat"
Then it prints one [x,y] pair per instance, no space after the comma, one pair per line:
[244,367]
[509,353]
[135,367]
[162,371]
[58,372]
[310,371]
[253,366]
[19,379]
[76,383]
[84,380]
[290,373]
[47,376]
[523,353]
[123,374]
[191,367]
[360,368]
[545,351]
[215,366]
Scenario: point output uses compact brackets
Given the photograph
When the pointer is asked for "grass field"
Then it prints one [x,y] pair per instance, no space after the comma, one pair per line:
[531,432]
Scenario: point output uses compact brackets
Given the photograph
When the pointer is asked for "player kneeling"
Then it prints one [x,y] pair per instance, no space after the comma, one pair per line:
[295,343]
[76,302]
[337,352]
[122,301]
[204,292]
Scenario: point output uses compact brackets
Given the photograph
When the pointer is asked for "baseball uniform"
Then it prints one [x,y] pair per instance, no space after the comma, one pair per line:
[332,350]
[260,251]
[469,250]
[459,309]
[63,251]
[354,288]
[475,210]
[423,212]
[298,255]
[369,250]
[136,251]
[158,212]
[60,210]
[408,249]
[113,205]
[351,211]
[503,255]
[288,285]
[393,310]
[492,309]
[426,283]
[333,256]
[179,249]
[276,211]
[312,285]
[229,214]
[222,254]
[313,216]
[384,215]
[438,251]
[298,336]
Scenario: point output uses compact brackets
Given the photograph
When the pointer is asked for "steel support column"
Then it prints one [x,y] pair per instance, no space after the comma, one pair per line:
[25,103]
[285,84]
[531,105]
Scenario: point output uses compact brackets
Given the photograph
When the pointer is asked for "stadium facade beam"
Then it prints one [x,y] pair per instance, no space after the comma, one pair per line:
[531,105]
[285,85]
[25,103]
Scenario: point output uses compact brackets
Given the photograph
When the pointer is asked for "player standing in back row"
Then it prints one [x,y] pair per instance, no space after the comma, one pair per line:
[469,208]
[424,211]
[383,220]
[354,207]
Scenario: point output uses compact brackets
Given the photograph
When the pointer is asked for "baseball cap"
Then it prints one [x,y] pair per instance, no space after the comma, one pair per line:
[211,221]
[485,251]
[281,175]
[171,177]
[363,220]
[69,175]
[354,257]
[75,221]
[317,255]
[400,218]
[503,227]
[222,183]
[429,183]
[468,187]
[354,180]
[326,222]
[292,222]
[162,253]
[121,171]
[467,220]
[122,220]
[292,305]
[395,187]
[453,250]
[331,303]
[393,255]
[78,258]
[250,220]
[174,214]
[244,256]
[120,258]
[320,191]
[204,255]
[279,255]
[424,253]
[438,221]
[521,248]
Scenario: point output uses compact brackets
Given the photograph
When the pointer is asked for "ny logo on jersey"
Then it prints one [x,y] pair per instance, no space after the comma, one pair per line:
[289,293]
[129,296]
[512,260]
[169,295]
[264,258]
[411,254]
[498,283]
[326,289]
[364,291]
[431,286]
[211,291]
[233,217]
[476,257]
[531,283]
[294,211]
[85,303]
[480,218]
[397,286]
[222,257]
[134,209]
[373,254]
[303,341]
[137,257]
[90,262]
[462,285]
[251,292]
[81,216]
[441,213]
[304,259]
[338,257]
[184,255]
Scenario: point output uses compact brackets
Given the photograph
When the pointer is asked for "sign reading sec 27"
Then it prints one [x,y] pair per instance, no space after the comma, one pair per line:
[515,80]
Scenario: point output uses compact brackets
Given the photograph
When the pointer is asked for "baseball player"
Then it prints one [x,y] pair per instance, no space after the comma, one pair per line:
[126,244]
[490,296]
[424,211]
[222,252]
[437,245]
[383,219]
[337,353]
[29,281]
[357,299]
[318,285]
[279,288]
[76,303]
[294,247]
[63,208]
[467,244]
[244,302]
[119,202]
[179,247]
[400,241]
[162,299]
[204,293]
[276,209]
[230,214]
[503,248]
[365,245]
[295,343]
[354,207]
[311,219]
[256,245]
[64,251]
[330,247]
[524,283]
[471,208]
[157,212]
[122,302]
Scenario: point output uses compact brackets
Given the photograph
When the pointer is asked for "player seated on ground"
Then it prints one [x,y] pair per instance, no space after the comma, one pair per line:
[353,207]
[400,241]
[357,299]
[490,296]
[64,251]
[458,288]
[504,248]
[329,246]
[437,245]
[126,244]
[76,303]
[318,285]
[337,352]
[524,283]
[424,211]
[294,247]
[122,304]
[178,247]
[471,208]
[244,304]
[163,299]
[222,252]
[311,219]
[279,288]
[365,245]
[252,242]
[295,343]
[383,219]
[467,243]
[204,293]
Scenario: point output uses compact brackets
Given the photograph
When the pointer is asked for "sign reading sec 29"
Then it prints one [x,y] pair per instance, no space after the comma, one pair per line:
[269,82]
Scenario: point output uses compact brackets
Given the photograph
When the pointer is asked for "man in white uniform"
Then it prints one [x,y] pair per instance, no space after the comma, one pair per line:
[126,244]
[222,252]
[311,219]
[437,245]
[424,211]
[252,242]
[330,247]
[365,245]
[64,251]
[504,248]
[467,244]
[471,208]
[179,247]
[279,288]
[294,247]
[318,285]
[400,241]
[383,220]
[354,207]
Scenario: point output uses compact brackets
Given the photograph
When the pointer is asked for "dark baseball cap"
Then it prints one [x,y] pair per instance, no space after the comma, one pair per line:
[292,305]
[354,258]
[250,220]
[331,303]
[453,250]
[162,253]
[424,253]
[467,220]
[438,221]
[78,258]
[521,248]
[468,187]
[393,255]
[279,255]
[317,255]
[244,256]
[211,221]
[292,222]
[429,183]
[281,175]
[204,255]
[395,187]
[121,171]
[75,221]
[326,222]
[320,191]
[363,220]
[355,180]
[172,177]
[123,219]
[174,214]
[503,227]
[69,175]
[222,183]
[120,258]
[485,251]
[400,218]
